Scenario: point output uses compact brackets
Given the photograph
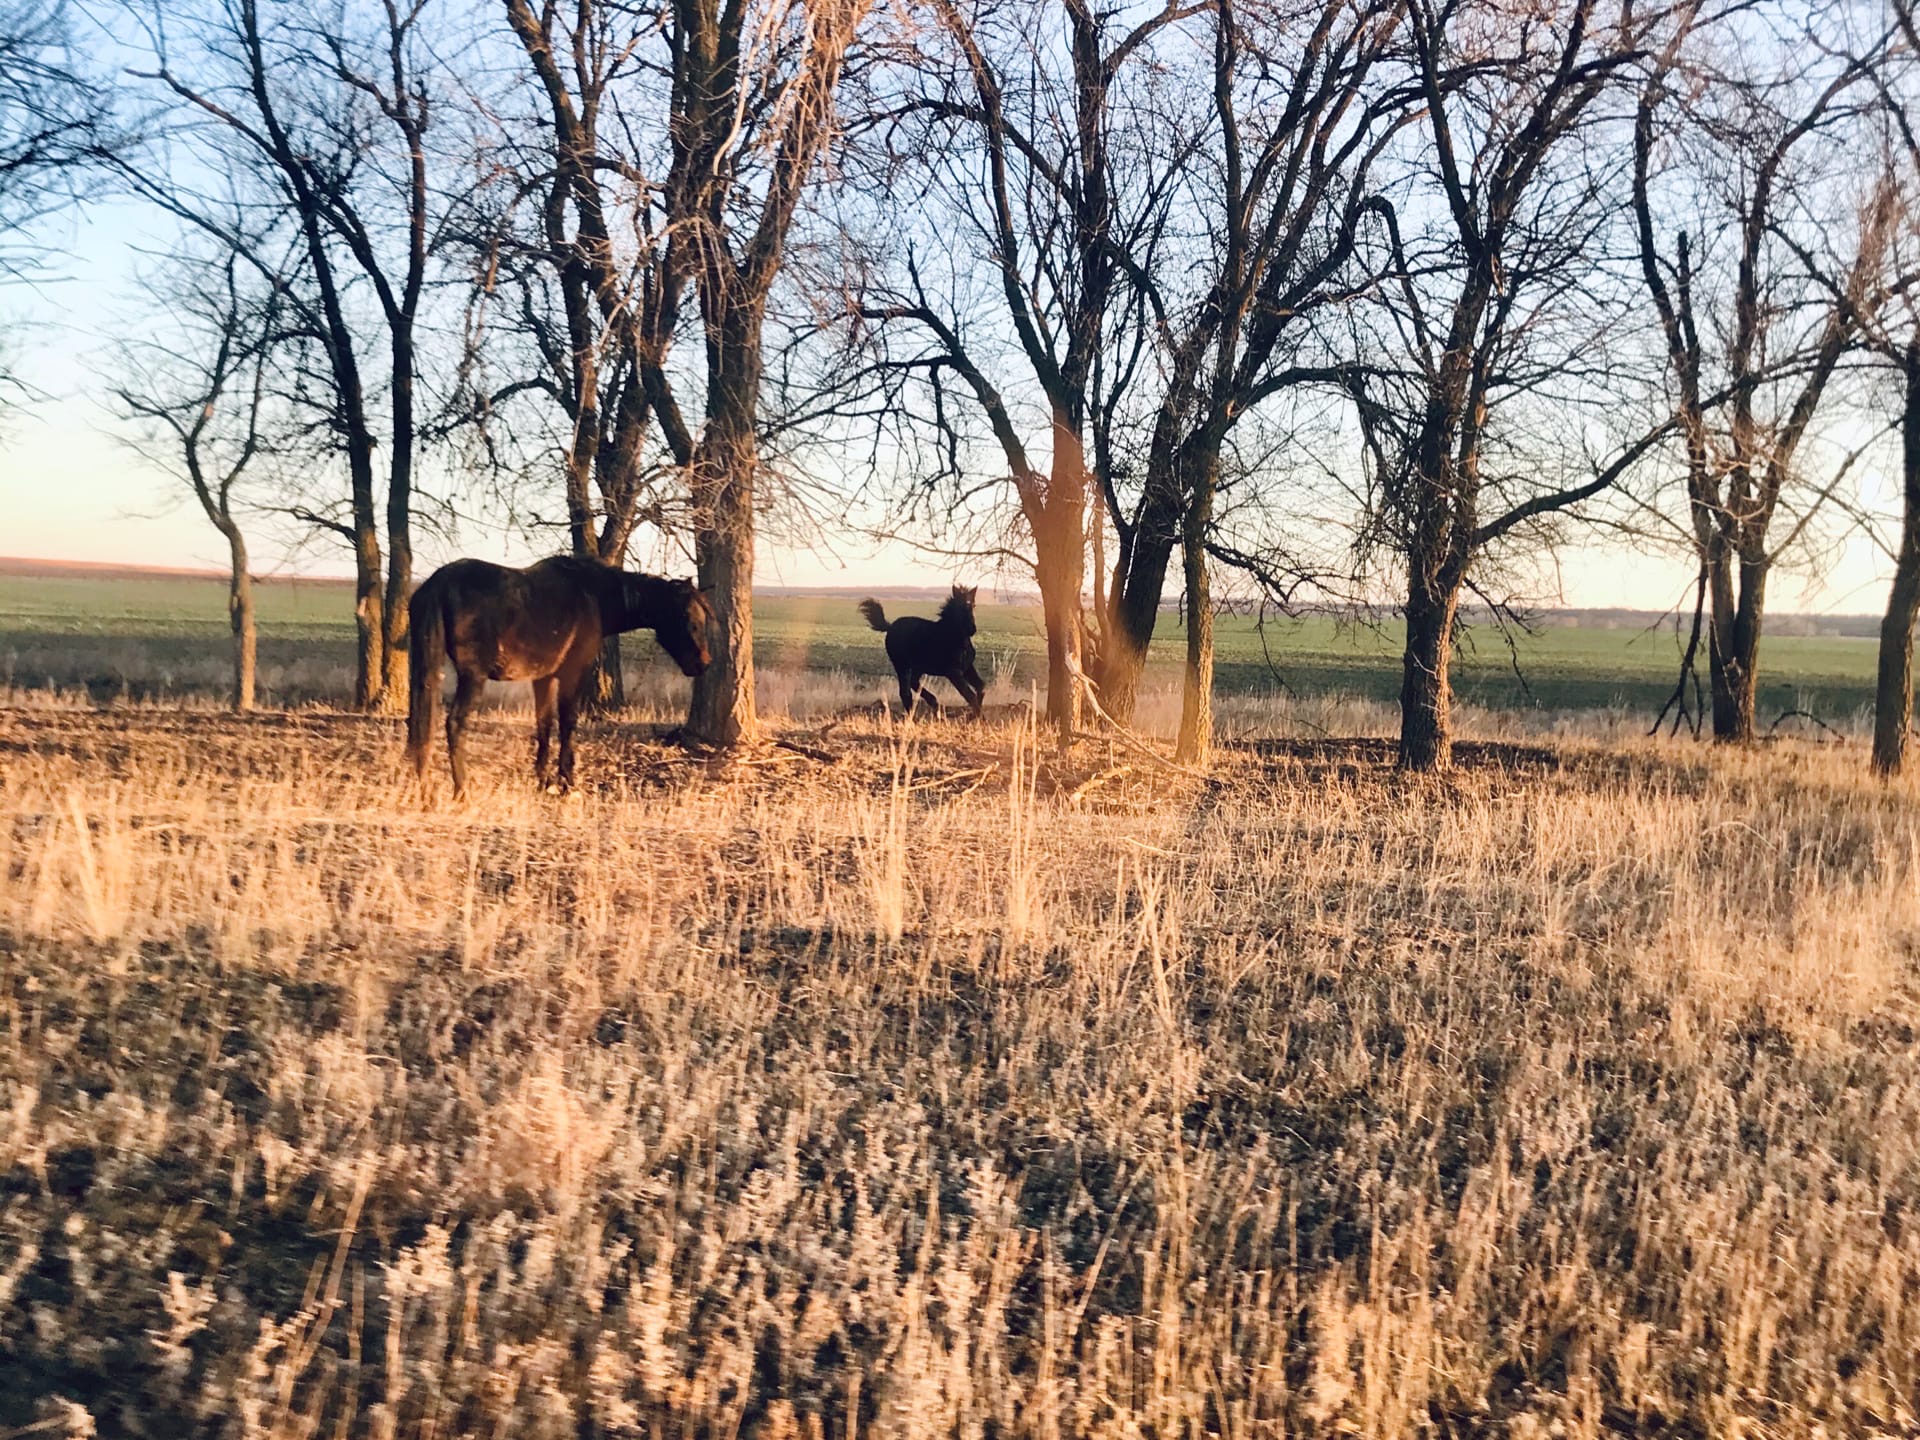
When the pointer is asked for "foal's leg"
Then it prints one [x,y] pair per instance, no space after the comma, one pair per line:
[909,682]
[465,692]
[975,689]
[544,692]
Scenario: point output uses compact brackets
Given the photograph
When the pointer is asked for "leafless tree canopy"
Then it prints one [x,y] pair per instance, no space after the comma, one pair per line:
[55,129]
[1319,302]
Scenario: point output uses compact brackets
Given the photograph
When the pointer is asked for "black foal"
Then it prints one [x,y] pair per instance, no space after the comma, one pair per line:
[920,648]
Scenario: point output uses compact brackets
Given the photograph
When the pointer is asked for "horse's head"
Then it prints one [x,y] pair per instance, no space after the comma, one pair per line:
[958,610]
[682,626]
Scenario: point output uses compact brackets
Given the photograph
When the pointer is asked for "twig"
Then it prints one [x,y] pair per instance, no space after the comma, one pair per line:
[935,781]
[1688,671]
[825,757]
[1085,787]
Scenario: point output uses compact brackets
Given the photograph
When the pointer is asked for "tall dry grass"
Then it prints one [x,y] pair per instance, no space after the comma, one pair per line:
[939,1092]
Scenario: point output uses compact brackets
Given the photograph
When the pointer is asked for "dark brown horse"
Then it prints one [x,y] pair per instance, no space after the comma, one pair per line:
[543,624]
[919,647]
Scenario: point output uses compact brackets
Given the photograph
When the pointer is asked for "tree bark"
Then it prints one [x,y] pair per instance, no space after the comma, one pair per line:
[1141,577]
[1893,691]
[370,633]
[1733,654]
[1060,547]
[393,689]
[722,711]
[1426,694]
[1196,702]
[1060,574]
[240,618]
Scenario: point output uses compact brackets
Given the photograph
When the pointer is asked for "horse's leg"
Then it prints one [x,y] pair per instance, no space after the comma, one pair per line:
[909,682]
[930,700]
[465,692]
[569,712]
[543,709]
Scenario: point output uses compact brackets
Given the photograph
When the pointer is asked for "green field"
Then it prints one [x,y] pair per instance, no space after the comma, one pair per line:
[143,636]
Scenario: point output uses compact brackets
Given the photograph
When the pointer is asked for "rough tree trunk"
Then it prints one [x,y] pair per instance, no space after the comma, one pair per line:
[1135,604]
[1196,702]
[1426,696]
[1060,528]
[393,688]
[1060,576]
[370,632]
[1733,655]
[393,691]
[1893,691]
[240,618]
[605,688]
[722,711]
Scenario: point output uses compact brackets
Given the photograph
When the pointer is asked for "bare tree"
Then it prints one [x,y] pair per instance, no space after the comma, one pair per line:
[752,114]
[1276,182]
[1879,319]
[680,139]
[201,400]
[300,108]
[1016,115]
[1489,306]
[1760,151]
[54,128]
[585,285]
[1893,684]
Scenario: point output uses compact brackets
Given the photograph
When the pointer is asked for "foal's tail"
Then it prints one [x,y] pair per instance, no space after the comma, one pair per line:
[427,649]
[876,617]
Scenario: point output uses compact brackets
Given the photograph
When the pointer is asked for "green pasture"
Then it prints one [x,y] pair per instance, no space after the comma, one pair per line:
[140,634]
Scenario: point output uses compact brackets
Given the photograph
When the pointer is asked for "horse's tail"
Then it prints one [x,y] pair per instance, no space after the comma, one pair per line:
[427,649]
[876,617]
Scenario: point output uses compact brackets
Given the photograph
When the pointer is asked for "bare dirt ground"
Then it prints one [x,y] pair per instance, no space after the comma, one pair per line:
[950,1087]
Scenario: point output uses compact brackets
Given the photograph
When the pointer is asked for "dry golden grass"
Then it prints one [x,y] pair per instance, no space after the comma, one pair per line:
[938,1092]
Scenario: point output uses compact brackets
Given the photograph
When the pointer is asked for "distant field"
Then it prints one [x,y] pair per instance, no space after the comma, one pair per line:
[117,634]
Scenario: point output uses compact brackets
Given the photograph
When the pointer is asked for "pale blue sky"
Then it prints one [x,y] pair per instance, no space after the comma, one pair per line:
[70,489]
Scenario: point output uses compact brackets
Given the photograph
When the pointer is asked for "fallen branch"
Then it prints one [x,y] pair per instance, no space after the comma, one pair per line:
[1839,739]
[1120,732]
[825,757]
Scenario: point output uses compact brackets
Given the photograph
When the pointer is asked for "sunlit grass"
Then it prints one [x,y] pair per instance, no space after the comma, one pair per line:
[927,1092]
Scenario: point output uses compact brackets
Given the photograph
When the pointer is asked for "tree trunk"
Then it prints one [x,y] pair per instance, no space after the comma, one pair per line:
[722,711]
[240,618]
[368,615]
[1426,696]
[393,685]
[604,689]
[1136,593]
[615,465]
[1196,702]
[1060,537]
[1893,692]
[1060,577]
[1733,657]
[393,690]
